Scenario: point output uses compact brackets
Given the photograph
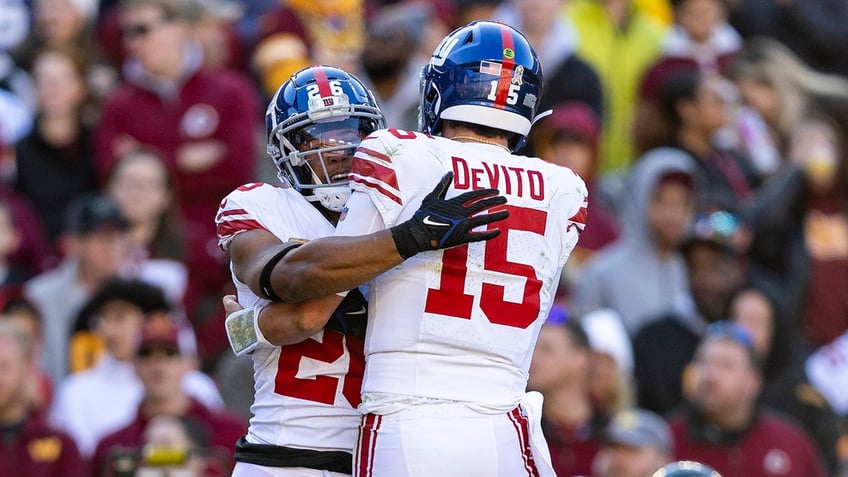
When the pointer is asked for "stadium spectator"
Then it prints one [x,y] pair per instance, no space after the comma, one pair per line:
[785,384]
[393,55]
[96,249]
[19,311]
[570,137]
[102,393]
[54,162]
[621,42]
[28,445]
[636,443]
[700,40]
[611,383]
[161,366]
[205,129]
[662,349]
[724,428]
[143,188]
[560,371]
[801,108]
[641,273]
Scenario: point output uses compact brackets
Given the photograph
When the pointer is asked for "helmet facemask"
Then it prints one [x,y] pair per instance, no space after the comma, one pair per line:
[313,150]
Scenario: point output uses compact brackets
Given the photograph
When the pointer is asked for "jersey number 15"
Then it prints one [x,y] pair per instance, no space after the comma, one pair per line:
[450,298]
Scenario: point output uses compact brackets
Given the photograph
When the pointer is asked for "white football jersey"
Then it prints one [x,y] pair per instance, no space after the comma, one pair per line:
[305,394]
[460,324]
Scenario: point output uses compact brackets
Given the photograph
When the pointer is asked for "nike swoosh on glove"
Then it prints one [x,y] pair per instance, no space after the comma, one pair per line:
[443,223]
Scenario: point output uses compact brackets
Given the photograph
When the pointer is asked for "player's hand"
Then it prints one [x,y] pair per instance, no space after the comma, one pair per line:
[444,223]
[231,305]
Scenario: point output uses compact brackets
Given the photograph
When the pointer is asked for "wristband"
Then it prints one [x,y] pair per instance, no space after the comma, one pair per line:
[243,330]
[265,275]
[405,242]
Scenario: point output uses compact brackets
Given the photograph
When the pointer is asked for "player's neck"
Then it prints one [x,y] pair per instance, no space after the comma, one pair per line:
[462,134]
[480,140]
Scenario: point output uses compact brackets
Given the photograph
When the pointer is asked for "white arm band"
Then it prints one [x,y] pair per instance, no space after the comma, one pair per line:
[243,330]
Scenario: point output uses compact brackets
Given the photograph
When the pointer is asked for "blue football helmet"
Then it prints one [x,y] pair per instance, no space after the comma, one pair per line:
[314,123]
[484,73]
[685,468]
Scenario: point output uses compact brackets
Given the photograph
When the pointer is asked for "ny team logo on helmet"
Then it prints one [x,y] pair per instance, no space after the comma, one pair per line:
[321,112]
[484,73]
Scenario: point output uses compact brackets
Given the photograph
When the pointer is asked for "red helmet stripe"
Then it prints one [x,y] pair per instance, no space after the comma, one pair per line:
[323,83]
[508,44]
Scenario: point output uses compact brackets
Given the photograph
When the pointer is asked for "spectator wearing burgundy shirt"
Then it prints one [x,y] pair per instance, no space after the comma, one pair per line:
[205,124]
[28,446]
[161,365]
[724,428]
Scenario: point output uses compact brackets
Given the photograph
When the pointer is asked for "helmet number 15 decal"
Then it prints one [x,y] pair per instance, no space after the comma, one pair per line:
[511,95]
[451,299]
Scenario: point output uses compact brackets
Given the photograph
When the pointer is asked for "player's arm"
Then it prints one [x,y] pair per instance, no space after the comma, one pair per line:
[338,263]
[284,323]
[280,323]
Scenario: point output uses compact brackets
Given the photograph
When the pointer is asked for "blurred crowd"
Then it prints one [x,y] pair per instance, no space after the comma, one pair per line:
[703,314]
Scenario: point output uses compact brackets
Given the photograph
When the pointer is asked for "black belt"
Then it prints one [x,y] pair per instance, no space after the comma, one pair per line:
[279,456]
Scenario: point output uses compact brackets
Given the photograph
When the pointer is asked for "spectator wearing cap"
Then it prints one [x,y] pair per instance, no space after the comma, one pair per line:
[724,428]
[664,347]
[560,371]
[29,447]
[570,137]
[636,443]
[96,249]
[640,274]
[161,365]
[103,392]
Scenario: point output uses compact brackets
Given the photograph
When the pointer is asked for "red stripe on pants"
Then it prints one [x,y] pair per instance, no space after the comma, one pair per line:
[523,431]
[364,465]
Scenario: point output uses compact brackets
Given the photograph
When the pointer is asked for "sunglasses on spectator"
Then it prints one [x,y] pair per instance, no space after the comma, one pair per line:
[138,30]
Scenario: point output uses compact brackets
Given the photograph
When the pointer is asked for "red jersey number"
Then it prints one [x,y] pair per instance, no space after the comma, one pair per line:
[450,298]
[323,387]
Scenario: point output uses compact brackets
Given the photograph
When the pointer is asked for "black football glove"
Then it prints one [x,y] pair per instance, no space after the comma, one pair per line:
[441,223]
[351,316]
